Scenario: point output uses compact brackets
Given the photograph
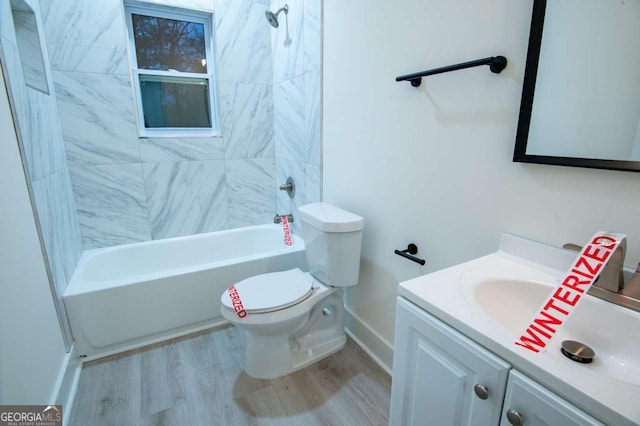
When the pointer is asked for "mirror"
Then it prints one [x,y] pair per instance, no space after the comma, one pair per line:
[581,95]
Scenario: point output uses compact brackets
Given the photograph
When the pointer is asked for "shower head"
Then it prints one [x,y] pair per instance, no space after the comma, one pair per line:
[272,18]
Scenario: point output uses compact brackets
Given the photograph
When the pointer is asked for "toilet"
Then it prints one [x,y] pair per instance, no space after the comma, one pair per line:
[295,318]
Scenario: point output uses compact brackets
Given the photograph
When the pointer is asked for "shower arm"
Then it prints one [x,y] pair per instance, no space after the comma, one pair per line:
[284,8]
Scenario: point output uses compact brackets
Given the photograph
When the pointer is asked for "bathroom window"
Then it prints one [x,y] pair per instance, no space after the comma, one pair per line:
[173,71]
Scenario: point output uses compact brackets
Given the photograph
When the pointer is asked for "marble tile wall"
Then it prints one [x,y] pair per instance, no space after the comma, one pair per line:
[258,175]
[182,195]
[44,153]
[112,203]
[296,49]
[130,189]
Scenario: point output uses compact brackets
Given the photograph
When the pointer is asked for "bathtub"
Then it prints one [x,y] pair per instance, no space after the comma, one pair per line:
[128,296]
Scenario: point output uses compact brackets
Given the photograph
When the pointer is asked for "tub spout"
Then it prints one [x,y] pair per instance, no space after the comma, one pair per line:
[278,218]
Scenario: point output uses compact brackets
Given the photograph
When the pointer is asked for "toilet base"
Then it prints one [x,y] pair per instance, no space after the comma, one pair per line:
[269,356]
[278,360]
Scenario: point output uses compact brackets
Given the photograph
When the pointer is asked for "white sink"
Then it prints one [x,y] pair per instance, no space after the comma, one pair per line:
[611,331]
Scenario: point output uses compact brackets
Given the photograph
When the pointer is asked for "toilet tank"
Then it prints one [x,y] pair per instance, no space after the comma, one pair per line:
[333,241]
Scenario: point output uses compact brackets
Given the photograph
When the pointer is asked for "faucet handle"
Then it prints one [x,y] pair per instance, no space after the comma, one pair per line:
[633,288]
[289,186]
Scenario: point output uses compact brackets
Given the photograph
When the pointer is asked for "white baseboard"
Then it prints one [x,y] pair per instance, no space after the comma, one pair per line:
[376,346]
[66,386]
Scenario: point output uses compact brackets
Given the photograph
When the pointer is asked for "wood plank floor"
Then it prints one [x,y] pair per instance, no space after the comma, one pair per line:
[198,380]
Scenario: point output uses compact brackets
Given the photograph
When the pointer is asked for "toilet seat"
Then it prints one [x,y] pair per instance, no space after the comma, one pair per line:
[272,291]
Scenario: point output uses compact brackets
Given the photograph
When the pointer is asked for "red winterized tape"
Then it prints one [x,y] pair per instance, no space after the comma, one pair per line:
[236,302]
[565,297]
[287,232]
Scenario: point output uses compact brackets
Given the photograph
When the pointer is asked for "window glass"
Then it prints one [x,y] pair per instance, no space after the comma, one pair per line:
[175,101]
[169,44]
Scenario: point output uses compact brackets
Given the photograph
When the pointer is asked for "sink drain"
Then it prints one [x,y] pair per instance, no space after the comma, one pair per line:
[577,351]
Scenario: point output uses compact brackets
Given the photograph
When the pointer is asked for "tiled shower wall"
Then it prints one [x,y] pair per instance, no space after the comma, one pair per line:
[43,149]
[131,189]
[296,51]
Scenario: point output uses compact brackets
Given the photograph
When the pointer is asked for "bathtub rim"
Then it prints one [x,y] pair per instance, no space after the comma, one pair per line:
[79,285]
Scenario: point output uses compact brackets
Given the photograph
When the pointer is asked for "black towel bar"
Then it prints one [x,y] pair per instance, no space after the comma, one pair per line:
[496,64]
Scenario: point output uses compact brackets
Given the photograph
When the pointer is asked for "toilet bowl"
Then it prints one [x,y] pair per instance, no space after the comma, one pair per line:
[294,318]
[284,339]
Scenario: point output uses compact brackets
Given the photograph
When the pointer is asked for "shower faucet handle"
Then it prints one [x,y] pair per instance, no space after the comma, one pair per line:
[289,186]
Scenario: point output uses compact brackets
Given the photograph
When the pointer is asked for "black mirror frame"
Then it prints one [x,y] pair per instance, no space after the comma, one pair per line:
[526,105]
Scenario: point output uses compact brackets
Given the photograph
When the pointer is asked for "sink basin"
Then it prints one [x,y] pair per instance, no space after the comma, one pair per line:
[611,331]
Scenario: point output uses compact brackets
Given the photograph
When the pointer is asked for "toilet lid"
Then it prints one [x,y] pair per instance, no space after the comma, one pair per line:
[272,291]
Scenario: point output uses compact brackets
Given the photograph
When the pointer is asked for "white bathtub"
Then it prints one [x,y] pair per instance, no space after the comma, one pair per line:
[123,297]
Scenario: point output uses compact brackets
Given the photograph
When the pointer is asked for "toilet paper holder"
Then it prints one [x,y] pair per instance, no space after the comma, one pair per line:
[409,252]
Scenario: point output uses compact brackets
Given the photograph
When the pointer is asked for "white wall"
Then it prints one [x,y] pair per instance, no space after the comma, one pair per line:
[32,352]
[433,165]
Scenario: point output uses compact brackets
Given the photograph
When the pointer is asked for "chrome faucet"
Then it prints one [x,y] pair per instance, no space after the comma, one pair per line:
[612,276]
[609,285]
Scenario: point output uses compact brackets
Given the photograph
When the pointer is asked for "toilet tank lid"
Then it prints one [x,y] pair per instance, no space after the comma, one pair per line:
[330,218]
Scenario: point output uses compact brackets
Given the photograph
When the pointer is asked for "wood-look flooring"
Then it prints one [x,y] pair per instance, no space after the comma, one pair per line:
[198,380]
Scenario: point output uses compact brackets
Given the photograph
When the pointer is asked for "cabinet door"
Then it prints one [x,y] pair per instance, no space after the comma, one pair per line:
[528,403]
[435,370]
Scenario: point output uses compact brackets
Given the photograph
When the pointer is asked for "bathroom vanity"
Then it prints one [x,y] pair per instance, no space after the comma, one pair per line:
[456,361]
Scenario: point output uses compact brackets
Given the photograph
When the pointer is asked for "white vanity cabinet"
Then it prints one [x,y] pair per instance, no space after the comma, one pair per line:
[528,403]
[441,377]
